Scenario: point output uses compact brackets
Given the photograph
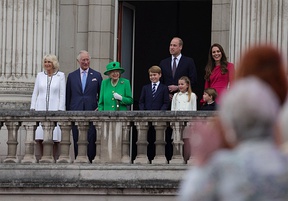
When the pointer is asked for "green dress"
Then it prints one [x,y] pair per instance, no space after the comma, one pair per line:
[107,102]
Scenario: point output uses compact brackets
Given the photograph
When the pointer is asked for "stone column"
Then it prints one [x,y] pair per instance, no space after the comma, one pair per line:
[254,21]
[65,142]
[160,143]
[29,156]
[177,157]
[141,158]
[82,142]
[47,156]
[12,142]
[98,125]
[126,133]
[29,30]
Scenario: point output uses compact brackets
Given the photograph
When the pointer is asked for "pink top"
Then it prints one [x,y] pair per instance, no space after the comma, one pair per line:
[220,81]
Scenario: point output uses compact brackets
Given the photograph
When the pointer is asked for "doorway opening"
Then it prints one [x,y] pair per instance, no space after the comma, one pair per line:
[152,25]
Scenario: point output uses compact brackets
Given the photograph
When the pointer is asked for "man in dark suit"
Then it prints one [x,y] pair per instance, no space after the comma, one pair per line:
[82,90]
[184,66]
[173,68]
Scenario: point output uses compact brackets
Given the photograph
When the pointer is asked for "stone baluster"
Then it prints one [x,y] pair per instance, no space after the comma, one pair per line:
[177,157]
[12,142]
[126,128]
[98,126]
[160,143]
[29,156]
[189,128]
[47,157]
[142,128]
[65,142]
[82,142]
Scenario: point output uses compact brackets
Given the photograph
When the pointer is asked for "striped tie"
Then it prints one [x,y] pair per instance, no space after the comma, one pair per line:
[153,90]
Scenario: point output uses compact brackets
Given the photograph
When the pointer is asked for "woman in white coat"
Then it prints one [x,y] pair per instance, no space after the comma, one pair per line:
[49,95]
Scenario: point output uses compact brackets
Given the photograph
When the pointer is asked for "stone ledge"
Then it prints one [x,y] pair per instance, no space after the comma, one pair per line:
[143,177]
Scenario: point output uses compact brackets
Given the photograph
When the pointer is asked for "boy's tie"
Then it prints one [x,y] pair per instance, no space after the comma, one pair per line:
[153,90]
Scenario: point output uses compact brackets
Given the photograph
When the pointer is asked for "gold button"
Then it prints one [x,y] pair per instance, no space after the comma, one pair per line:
[112,105]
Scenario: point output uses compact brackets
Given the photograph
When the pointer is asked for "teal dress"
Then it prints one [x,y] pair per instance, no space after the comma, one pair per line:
[107,102]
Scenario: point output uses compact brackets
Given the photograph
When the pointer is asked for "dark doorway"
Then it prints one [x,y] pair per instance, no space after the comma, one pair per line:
[156,23]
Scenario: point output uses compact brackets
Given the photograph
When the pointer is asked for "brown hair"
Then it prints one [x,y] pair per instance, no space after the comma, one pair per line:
[211,92]
[155,69]
[211,62]
[265,62]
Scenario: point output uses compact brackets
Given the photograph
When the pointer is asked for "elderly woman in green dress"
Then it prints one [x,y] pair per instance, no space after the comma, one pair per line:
[115,93]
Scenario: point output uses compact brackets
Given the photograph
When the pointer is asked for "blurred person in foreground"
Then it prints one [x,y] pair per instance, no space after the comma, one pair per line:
[255,169]
[252,166]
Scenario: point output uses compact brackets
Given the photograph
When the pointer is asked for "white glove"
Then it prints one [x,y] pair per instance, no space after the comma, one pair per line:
[117,96]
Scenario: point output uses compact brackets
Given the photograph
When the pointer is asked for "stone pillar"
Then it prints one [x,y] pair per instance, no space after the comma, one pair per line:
[98,125]
[82,142]
[88,25]
[177,157]
[220,28]
[126,133]
[12,142]
[254,22]
[29,30]
[29,156]
[47,156]
[160,143]
[142,128]
[65,142]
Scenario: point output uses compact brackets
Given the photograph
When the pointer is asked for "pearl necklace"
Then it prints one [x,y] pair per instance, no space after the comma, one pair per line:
[114,85]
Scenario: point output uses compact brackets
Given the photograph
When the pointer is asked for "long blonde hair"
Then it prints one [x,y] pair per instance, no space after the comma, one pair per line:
[188,82]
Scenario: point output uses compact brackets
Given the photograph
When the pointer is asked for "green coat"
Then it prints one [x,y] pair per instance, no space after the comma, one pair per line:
[106,99]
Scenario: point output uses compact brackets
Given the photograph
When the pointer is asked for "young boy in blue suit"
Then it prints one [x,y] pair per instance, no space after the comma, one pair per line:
[159,100]
[154,96]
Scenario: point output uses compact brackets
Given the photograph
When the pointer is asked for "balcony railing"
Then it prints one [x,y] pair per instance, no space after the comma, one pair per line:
[113,139]
[121,169]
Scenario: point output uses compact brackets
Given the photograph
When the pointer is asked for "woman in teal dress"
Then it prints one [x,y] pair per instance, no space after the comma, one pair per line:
[115,93]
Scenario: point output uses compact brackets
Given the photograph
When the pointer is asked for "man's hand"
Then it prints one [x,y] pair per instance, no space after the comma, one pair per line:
[173,88]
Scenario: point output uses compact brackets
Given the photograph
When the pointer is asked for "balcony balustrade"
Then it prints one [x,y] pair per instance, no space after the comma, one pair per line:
[121,160]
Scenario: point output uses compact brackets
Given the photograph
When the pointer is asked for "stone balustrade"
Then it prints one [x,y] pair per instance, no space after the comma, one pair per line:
[120,170]
[114,135]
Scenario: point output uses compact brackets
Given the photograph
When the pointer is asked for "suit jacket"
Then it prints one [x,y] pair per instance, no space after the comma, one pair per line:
[186,67]
[49,96]
[75,98]
[159,102]
[212,106]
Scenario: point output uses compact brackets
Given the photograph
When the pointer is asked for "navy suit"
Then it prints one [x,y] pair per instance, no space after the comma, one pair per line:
[185,67]
[81,101]
[159,102]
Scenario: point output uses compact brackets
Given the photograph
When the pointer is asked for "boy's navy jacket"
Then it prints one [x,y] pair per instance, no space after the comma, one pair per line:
[160,101]
[212,106]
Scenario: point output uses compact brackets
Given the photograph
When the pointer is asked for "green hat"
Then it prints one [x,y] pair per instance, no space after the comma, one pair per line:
[114,65]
